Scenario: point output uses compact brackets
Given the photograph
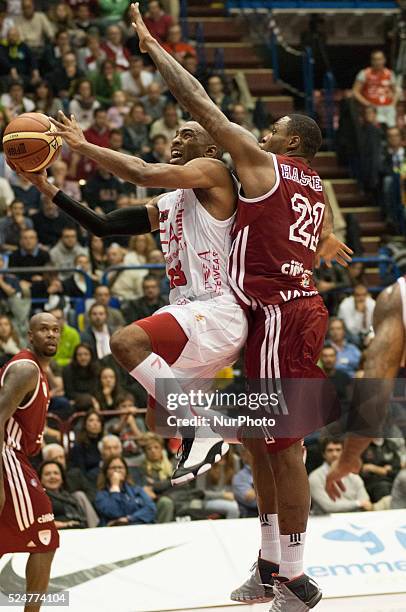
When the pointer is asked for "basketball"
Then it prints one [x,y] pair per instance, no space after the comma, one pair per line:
[26,144]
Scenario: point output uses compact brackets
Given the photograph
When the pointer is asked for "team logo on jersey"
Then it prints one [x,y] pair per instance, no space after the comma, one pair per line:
[44,536]
[45,518]
[163,215]
[305,282]
[292,268]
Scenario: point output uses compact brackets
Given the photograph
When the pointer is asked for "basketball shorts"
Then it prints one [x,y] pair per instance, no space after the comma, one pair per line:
[283,347]
[26,522]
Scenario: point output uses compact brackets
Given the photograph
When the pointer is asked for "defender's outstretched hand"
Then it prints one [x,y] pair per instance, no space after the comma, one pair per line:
[331,248]
[139,26]
[69,130]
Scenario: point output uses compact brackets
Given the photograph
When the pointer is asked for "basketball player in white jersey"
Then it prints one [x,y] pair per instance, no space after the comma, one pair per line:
[384,357]
[203,329]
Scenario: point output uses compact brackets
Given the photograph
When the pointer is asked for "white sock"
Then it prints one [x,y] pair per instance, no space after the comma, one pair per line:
[149,371]
[292,552]
[270,542]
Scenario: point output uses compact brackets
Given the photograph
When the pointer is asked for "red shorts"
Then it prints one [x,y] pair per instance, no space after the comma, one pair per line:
[27,522]
[285,342]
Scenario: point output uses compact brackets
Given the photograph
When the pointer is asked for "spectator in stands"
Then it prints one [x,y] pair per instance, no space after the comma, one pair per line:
[64,253]
[84,104]
[136,139]
[145,306]
[6,191]
[97,334]
[115,319]
[341,380]
[15,102]
[355,496]
[243,487]
[91,56]
[217,486]
[154,102]
[34,26]
[393,165]
[216,91]
[44,100]
[66,509]
[10,343]
[75,479]
[118,112]
[12,226]
[168,125]
[139,248]
[29,254]
[376,86]
[175,45]
[399,491]
[124,284]
[80,375]
[157,22]
[118,502]
[110,446]
[136,80]
[64,79]
[356,311]
[61,17]
[98,257]
[112,10]
[108,389]
[49,222]
[114,48]
[59,172]
[85,453]
[77,285]
[106,82]
[240,116]
[125,426]
[156,472]
[51,58]
[117,144]
[9,285]
[191,64]
[347,354]
[83,21]
[102,190]
[381,464]
[159,154]
[27,194]
[17,61]
[5,22]
[69,339]
[157,257]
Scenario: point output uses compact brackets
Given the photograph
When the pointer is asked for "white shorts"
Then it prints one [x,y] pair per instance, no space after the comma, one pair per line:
[216,330]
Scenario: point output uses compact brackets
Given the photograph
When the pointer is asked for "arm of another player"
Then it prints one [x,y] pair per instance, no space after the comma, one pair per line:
[128,221]
[254,166]
[20,380]
[383,359]
[330,247]
[202,173]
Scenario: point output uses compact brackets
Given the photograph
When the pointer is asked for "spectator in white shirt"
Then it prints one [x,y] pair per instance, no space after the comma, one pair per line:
[357,311]
[135,81]
[355,496]
[15,102]
[34,26]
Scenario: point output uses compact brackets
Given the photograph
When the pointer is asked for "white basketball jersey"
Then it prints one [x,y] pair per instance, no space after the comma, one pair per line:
[195,246]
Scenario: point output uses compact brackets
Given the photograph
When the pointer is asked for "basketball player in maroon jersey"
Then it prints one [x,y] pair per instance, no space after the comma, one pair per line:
[279,227]
[382,362]
[26,519]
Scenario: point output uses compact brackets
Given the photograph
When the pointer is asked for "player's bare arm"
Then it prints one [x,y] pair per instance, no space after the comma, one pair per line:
[330,247]
[128,221]
[254,166]
[383,359]
[20,380]
[201,173]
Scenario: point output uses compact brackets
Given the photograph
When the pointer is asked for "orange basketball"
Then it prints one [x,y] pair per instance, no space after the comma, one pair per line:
[26,144]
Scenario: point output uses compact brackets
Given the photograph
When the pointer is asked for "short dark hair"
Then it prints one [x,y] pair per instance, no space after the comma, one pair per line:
[150,277]
[60,467]
[309,132]
[332,440]
[329,347]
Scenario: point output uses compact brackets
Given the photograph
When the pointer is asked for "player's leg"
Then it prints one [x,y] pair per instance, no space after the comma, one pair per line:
[37,573]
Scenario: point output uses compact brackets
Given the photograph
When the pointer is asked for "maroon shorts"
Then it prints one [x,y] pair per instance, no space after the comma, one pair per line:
[27,522]
[285,342]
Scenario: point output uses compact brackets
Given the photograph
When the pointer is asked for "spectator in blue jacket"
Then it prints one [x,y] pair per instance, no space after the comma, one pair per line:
[348,355]
[118,501]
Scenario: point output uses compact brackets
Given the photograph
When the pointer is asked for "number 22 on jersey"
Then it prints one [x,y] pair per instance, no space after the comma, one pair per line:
[305,229]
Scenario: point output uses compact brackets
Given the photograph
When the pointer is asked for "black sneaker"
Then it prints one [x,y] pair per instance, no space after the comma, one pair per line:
[258,588]
[298,595]
[199,454]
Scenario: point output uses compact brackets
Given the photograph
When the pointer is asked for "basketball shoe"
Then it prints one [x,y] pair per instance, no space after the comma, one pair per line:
[258,588]
[298,595]
[199,452]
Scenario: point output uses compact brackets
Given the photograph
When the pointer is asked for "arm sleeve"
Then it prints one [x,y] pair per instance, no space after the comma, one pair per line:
[123,221]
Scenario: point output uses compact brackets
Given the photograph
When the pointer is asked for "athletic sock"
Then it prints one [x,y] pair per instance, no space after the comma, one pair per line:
[270,542]
[292,552]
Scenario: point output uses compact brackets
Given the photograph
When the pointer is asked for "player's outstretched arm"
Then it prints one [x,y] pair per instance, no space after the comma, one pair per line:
[383,359]
[202,173]
[330,247]
[127,221]
[252,164]
[20,380]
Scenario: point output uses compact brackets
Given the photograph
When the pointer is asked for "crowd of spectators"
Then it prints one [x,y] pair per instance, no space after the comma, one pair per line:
[83,58]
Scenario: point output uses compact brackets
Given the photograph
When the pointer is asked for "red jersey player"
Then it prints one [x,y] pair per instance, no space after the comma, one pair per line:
[26,519]
[280,230]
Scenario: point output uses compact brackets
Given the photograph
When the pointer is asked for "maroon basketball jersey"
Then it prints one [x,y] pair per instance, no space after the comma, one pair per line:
[24,429]
[275,237]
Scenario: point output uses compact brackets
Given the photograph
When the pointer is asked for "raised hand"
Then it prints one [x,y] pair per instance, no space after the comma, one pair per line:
[69,130]
[139,26]
[331,248]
